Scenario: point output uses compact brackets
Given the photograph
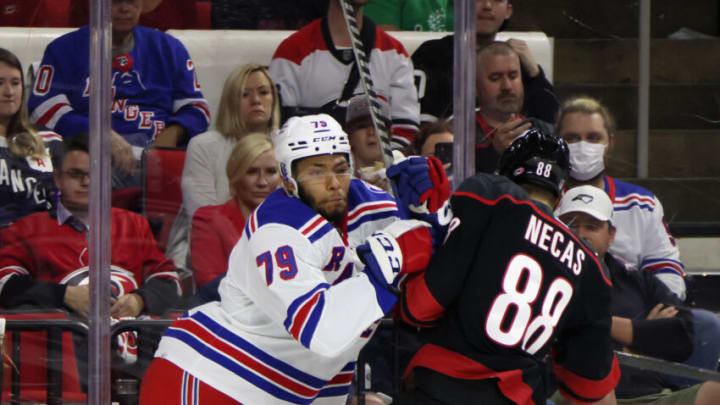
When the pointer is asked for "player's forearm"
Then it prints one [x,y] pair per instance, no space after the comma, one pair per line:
[622,330]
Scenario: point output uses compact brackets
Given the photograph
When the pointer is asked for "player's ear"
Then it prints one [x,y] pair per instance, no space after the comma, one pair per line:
[289,187]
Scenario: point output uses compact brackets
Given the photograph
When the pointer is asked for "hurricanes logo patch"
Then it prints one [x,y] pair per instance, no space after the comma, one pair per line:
[519,171]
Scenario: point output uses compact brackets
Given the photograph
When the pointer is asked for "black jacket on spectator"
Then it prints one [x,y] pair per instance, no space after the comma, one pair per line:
[634,294]
[435,59]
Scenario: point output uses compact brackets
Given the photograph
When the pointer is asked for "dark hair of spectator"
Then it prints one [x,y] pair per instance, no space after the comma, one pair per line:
[586,105]
[76,143]
[427,130]
[21,137]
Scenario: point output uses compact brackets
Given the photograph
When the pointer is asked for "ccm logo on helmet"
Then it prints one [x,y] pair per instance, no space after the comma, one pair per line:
[324,138]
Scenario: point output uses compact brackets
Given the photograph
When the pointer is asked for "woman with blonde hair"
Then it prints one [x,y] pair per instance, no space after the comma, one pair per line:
[252,174]
[249,103]
[26,167]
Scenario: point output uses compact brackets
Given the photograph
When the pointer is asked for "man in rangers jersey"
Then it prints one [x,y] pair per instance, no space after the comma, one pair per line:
[510,283]
[44,256]
[642,240]
[155,88]
[314,70]
[305,286]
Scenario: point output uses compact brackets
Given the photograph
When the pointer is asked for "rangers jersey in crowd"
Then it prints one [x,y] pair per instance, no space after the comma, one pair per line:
[312,72]
[296,305]
[153,86]
[643,239]
[27,184]
[43,253]
[513,282]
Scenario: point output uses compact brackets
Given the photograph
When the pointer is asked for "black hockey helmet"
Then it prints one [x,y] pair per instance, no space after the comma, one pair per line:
[537,158]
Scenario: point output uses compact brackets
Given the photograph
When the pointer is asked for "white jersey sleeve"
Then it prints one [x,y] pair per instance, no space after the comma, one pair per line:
[660,253]
[282,273]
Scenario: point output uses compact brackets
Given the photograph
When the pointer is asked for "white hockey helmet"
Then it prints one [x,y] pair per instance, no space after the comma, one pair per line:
[307,136]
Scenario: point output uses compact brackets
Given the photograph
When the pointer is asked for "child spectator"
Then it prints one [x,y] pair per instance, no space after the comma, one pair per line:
[252,174]
[26,155]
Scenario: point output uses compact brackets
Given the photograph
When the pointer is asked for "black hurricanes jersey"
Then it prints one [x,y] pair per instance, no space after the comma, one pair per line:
[513,283]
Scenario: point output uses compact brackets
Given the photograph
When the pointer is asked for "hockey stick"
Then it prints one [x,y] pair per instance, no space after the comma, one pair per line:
[666,367]
[362,60]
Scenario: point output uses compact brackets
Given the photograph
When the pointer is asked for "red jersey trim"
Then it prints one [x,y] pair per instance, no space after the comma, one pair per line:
[589,252]
[581,387]
[421,305]
[456,365]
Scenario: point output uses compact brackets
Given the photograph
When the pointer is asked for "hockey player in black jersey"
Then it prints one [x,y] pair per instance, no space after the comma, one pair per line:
[511,287]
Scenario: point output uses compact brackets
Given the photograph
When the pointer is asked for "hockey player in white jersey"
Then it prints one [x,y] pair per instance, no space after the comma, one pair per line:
[305,286]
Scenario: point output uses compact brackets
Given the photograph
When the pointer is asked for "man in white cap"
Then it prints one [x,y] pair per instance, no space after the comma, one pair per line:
[647,317]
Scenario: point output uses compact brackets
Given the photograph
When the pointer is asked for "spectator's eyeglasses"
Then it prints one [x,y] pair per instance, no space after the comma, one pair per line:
[78,175]
[322,175]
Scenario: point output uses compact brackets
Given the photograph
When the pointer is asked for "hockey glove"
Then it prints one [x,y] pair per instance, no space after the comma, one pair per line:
[403,247]
[423,187]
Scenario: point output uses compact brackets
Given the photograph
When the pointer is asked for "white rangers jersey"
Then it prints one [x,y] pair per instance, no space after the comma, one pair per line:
[643,239]
[311,73]
[296,305]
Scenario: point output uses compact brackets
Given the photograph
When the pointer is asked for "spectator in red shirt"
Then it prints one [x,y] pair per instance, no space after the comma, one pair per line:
[252,173]
[160,14]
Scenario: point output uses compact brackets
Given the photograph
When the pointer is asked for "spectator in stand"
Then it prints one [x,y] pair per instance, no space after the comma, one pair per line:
[642,239]
[434,59]
[265,15]
[500,98]
[252,174]
[26,155]
[315,70]
[249,103]
[157,97]
[411,15]
[367,154]
[440,131]
[44,256]
[647,318]
[160,14]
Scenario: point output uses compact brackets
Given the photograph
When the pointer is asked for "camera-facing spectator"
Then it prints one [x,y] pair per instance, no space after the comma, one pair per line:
[500,91]
[316,72]
[160,14]
[44,256]
[252,174]
[156,92]
[366,151]
[26,155]
[249,103]
[434,59]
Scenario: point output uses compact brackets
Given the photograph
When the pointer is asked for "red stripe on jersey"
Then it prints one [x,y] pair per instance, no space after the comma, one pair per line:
[343,378]
[408,134]
[49,114]
[366,208]
[592,390]
[610,187]
[50,136]
[385,42]
[252,222]
[312,226]
[302,43]
[456,365]
[203,108]
[422,306]
[302,314]
[244,359]
[635,197]
[588,253]
[663,265]
[188,388]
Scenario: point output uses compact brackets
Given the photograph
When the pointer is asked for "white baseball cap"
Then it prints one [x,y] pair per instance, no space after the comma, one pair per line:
[588,199]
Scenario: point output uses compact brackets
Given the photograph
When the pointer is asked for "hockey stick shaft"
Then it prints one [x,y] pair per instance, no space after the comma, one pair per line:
[362,60]
[666,367]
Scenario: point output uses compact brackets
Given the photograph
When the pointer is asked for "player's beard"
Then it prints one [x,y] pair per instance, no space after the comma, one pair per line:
[334,218]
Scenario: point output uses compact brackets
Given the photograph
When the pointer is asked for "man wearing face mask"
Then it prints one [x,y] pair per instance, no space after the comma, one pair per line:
[643,239]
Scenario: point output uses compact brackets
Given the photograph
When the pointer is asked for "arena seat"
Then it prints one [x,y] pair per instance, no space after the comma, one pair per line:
[209,49]
[32,363]
[161,191]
